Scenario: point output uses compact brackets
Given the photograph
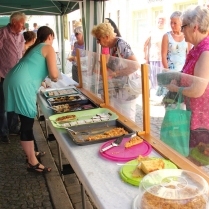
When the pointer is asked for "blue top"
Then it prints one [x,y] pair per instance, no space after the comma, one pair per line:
[176,53]
[23,81]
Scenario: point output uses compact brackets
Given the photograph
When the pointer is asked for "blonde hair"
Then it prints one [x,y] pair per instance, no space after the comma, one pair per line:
[17,16]
[102,30]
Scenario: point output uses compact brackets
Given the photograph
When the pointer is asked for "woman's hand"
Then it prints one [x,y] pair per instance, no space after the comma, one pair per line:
[72,59]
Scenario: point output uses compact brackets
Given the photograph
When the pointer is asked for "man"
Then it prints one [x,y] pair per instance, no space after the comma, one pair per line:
[152,50]
[35,26]
[11,50]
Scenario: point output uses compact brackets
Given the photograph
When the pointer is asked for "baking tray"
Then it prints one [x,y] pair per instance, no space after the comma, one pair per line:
[94,129]
[60,91]
[66,107]
[84,117]
[71,99]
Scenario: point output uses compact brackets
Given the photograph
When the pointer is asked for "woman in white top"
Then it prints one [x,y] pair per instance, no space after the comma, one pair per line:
[174,48]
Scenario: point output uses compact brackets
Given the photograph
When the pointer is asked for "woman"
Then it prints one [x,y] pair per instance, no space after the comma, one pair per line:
[106,50]
[195,27]
[79,44]
[174,48]
[126,99]
[152,50]
[30,38]
[21,85]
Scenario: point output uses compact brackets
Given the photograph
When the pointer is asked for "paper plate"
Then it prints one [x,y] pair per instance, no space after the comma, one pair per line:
[120,153]
[128,168]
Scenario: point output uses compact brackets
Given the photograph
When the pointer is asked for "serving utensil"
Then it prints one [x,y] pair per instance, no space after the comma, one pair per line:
[114,143]
[76,132]
[52,108]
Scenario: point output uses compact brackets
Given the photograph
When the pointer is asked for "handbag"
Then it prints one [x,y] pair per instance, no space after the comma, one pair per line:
[133,83]
[175,128]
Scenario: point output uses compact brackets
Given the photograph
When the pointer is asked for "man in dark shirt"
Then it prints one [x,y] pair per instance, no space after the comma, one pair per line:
[11,51]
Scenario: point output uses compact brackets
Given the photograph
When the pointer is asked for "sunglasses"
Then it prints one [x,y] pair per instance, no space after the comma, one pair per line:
[98,39]
[183,26]
[76,34]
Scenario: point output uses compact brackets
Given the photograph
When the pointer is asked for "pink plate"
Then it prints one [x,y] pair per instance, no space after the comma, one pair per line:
[120,153]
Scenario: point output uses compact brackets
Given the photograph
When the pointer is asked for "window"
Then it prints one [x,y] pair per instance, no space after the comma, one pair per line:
[155,13]
[139,24]
[183,6]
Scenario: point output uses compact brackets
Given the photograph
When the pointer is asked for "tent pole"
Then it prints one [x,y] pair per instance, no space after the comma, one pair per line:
[62,44]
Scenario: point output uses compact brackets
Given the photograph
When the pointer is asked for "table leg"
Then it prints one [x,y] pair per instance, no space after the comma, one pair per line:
[60,161]
[83,196]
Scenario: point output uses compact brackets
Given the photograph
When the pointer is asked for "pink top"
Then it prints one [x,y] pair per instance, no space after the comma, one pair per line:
[11,49]
[105,50]
[199,106]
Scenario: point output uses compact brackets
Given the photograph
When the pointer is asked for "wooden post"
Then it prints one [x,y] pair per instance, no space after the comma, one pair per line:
[145,98]
[105,80]
[78,61]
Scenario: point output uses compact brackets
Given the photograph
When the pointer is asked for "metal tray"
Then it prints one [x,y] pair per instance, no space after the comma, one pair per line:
[83,116]
[66,91]
[94,129]
[87,105]
[71,99]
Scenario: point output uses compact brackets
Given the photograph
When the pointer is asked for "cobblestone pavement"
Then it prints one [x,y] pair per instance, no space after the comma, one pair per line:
[20,189]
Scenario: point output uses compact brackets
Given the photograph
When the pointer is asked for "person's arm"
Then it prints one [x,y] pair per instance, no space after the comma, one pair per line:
[199,81]
[146,49]
[72,58]
[164,50]
[49,53]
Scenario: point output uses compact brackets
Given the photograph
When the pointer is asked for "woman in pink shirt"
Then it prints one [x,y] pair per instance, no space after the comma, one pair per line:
[195,26]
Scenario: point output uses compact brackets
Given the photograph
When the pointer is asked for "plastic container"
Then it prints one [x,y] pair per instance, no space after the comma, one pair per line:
[172,189]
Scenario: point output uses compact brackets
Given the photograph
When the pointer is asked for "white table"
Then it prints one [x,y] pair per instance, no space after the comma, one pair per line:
[99,176]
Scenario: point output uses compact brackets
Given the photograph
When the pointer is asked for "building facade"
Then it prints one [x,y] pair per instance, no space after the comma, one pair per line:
[135,18]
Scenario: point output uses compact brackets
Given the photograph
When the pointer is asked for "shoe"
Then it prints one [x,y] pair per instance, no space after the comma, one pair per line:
[5,139]
[15,132]
[38,155]
[35,168]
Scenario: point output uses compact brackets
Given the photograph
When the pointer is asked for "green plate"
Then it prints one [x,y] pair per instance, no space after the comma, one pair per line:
[198,156]
[128,168]
[83,117]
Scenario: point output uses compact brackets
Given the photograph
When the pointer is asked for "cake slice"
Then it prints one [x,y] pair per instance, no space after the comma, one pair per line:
[152,165]
[133,141]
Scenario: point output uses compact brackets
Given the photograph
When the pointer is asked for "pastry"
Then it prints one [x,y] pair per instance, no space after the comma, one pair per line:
[133,141]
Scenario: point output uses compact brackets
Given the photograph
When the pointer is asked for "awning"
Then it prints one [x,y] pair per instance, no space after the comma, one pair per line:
[38,7]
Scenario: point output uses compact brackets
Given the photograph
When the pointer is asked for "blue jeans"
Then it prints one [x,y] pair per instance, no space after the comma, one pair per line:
[8,121]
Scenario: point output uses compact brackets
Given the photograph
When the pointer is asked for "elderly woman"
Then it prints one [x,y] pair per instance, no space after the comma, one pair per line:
[195,26]
[174,47]
[126,100]
[79,44]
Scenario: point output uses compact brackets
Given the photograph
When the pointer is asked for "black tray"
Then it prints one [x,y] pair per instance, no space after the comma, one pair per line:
[71,99]
[94,129]
[85,105]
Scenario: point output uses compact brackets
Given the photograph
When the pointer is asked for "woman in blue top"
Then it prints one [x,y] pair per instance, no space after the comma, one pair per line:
[174,48]
[21,85]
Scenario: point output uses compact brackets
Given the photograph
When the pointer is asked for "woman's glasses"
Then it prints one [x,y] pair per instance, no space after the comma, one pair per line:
[183,26]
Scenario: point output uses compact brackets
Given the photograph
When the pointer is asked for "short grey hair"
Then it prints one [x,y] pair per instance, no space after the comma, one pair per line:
[78,29]
[197,15]
[176,14]
[17,16]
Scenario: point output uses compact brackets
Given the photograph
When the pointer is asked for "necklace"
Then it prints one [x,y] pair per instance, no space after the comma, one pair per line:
[176,34]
